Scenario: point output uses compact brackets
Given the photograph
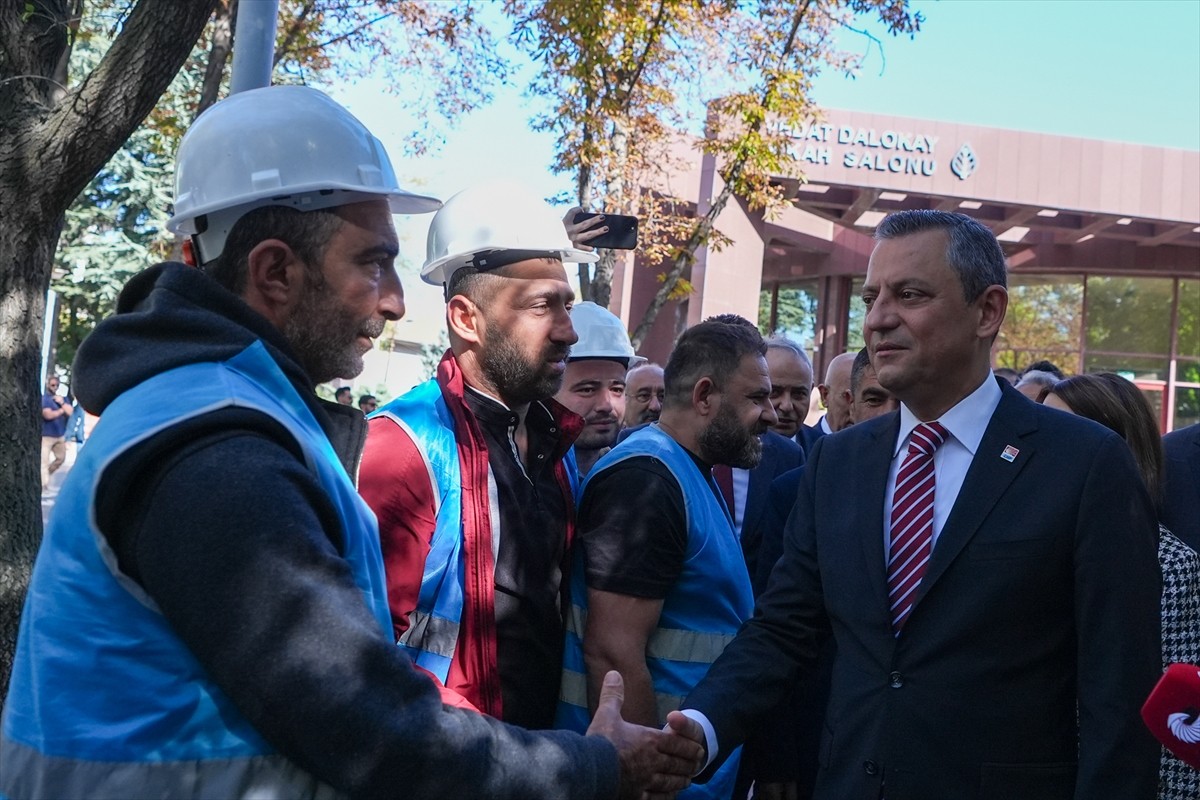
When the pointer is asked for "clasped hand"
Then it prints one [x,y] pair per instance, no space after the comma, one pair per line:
[655,764]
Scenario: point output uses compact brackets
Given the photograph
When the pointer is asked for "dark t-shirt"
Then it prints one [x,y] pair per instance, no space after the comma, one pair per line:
[533,532]
[56,427]
[633,528]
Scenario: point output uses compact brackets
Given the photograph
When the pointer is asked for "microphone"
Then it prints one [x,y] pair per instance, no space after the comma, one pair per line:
[1172,712]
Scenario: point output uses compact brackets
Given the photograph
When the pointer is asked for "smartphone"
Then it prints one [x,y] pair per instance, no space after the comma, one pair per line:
[622,231]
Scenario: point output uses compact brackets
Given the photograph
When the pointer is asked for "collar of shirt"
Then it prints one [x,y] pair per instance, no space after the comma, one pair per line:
[966,421]
[823,424]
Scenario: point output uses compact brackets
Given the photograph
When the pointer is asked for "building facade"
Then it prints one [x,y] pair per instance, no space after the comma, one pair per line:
[1102,240]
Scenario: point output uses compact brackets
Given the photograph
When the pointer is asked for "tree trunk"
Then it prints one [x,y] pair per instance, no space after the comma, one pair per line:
[48,154]
[685,256]
[218,54]
[602,279]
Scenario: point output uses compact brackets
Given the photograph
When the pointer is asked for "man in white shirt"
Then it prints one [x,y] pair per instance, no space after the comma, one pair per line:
[985,565]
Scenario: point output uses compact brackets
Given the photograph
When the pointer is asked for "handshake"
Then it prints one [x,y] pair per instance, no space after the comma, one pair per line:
[654,764]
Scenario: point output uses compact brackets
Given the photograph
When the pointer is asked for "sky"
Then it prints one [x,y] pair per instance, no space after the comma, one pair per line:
[1111,69]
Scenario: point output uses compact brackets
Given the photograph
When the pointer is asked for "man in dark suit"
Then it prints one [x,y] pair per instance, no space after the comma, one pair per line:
[1181,484]
[990,579]
[791,384]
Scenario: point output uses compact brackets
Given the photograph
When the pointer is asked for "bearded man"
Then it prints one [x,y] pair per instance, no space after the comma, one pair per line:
[469,473]
[659,584]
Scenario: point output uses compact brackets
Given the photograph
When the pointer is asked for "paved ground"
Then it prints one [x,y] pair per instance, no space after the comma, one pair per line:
[56,482]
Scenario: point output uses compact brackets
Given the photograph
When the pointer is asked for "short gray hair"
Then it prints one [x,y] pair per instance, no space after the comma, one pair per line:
[972,250]
[784,343]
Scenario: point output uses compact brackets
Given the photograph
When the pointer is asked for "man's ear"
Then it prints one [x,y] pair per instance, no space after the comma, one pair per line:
[275,279]
[992,305]
[464,319]
[705,396]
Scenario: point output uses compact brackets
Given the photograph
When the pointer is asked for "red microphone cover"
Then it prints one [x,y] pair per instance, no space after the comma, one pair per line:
[1172,712]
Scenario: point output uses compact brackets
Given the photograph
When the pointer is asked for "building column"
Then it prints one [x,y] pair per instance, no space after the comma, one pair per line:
[728,281]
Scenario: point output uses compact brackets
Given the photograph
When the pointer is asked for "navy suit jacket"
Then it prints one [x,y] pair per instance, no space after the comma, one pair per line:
[780,455]
[1181,484]
[807,436]
[1033,641]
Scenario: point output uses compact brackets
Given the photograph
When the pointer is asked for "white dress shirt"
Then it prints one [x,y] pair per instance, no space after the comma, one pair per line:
[741,489]
[965,423]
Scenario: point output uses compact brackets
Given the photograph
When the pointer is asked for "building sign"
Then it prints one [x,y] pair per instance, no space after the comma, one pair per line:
[895,151]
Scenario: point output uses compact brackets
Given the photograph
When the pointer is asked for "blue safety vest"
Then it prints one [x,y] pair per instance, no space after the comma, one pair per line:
[105,700]
[700,616]
[431,638]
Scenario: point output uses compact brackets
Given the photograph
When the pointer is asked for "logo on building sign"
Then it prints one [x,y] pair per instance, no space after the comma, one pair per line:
[963,164]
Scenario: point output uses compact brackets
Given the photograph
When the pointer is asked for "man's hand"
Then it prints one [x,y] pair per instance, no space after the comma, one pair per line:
[681,724]
[654,764]
[582,232]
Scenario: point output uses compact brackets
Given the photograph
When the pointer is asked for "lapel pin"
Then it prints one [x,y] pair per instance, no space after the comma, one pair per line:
[1010,453]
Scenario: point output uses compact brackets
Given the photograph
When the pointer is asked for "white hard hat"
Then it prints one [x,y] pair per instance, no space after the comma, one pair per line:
[279,146]
[490,219]
[601,335]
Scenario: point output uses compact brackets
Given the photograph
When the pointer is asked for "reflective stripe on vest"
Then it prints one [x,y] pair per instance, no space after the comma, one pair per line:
[103,694]
[701,614]
[431,638]
[30,774]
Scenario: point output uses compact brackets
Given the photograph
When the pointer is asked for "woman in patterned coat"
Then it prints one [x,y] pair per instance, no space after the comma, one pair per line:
[1117,404]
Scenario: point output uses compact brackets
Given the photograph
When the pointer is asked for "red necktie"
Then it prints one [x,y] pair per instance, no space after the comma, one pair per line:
[912,521]
[723,475]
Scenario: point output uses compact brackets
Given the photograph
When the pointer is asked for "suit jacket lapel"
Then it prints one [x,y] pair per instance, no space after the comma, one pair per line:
[869,516]
[986,481]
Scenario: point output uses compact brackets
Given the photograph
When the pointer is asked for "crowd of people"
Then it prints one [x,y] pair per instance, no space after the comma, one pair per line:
[555,570]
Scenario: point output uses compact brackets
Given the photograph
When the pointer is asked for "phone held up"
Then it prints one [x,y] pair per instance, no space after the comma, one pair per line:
[622,231]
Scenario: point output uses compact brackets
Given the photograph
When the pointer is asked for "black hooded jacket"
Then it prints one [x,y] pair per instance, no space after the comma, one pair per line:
[235,540]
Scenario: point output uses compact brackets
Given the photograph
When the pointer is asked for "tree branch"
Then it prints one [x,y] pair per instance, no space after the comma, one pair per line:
[686,255]
[81,134]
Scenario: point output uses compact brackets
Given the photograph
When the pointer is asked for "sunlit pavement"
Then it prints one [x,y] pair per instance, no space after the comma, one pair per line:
[56,482]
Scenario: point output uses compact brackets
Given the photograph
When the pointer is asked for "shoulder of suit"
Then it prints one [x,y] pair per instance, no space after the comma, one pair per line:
[771,439]
[1182,442]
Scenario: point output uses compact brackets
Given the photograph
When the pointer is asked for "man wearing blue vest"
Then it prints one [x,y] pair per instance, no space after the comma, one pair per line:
[659,585]
[470,473]
[207,615]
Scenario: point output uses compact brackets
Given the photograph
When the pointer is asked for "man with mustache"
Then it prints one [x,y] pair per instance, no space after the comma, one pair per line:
[469,472]
[658,585]
[594,383]
[791,384]
[644,393]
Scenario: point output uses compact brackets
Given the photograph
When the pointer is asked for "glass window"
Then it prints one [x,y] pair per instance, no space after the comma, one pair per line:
[1188,341]
[1155,395]
[1135,368]
[796,314]
[1187,403]
[858,315]
[1045,314]
[1129,315]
